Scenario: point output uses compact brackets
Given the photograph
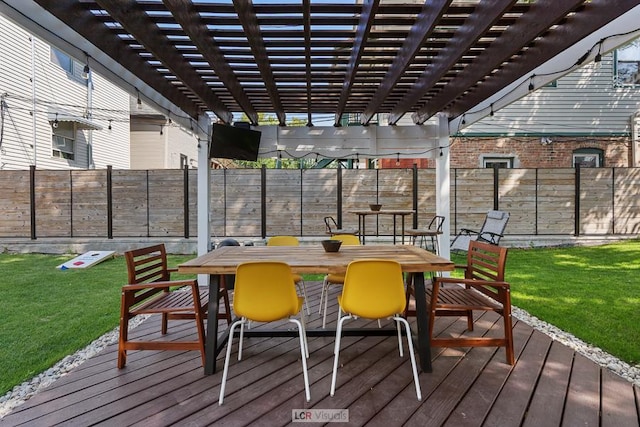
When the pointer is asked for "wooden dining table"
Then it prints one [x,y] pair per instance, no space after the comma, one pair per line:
[312,259]
[364,213]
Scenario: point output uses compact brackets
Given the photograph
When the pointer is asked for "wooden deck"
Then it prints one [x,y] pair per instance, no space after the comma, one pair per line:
[550,385]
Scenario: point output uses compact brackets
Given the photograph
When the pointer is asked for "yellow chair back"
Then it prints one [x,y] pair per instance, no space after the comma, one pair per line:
[347,239]
[373,289]
[265,291]
[283,241]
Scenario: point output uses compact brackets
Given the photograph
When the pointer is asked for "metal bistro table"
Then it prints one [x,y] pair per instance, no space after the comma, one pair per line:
[362,216]
[415,262]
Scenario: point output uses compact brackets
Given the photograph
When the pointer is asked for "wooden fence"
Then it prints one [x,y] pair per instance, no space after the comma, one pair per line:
[262,202]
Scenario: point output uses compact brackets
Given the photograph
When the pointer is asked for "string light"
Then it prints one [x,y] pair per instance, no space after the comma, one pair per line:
[109,124]
[464,121]
[491,112]
[397,159]
[161,129]
[531,87]
[86,70]
[55,122]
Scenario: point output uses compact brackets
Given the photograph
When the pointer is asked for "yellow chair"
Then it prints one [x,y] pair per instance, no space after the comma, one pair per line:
[299,281]
[264,292]
[334,279]
[374,289]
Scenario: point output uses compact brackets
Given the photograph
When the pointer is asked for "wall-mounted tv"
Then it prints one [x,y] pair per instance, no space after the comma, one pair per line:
[234,142]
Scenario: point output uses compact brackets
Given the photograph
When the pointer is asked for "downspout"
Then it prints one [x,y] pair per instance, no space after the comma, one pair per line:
[34,104]
[90,163]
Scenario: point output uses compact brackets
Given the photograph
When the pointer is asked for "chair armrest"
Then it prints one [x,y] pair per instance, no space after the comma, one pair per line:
[471,282]
[159,285]
[172,270]
[468,231]
[491,235]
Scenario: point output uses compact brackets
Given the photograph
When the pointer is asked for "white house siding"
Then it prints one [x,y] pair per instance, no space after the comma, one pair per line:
[33,86]
[151,150]
[585,102]
[110,107]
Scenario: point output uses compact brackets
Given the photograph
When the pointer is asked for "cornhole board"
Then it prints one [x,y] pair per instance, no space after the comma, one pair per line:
[87,259]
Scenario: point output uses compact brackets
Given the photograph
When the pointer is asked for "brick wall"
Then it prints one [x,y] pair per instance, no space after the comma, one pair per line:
[528,152]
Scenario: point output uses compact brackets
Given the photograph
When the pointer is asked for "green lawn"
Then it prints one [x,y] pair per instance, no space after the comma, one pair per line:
[591,292]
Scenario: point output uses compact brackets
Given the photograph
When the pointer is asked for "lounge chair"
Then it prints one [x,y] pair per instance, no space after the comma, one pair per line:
[491,231]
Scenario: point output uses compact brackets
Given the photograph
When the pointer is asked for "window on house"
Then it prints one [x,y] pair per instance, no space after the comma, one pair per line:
[627,67]
[64,141]
[499,162]
[588,158]
[68,64]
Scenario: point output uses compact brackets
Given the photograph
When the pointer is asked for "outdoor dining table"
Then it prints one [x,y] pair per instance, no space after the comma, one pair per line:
[363,213]
[312,259]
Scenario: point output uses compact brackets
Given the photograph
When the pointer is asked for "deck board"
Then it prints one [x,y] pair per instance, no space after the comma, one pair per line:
[549,385]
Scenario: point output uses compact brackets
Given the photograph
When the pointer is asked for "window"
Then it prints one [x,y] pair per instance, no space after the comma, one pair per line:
[68,64]
[628,64]
[64,141]
[588,158]
[497,162]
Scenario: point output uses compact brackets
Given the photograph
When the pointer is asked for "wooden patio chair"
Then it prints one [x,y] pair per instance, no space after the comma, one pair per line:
[491,231]
[482,289]
[150,291]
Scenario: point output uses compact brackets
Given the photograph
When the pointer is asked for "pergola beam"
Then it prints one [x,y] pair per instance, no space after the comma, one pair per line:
[425,23]
[192,24]
[249,22]
[483,18]
[136,22]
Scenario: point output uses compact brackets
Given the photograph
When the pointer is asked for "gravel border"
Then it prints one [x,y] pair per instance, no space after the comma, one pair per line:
[23,392]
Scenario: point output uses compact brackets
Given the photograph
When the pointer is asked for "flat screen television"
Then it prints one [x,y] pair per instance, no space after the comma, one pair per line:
[233,142]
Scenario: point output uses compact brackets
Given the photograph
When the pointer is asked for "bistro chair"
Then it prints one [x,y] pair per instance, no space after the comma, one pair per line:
[482,289]
[429,235]
[335,278]
[264,292]
[332,229]
[150,291]
[491,231]
[297,278]
[374,289]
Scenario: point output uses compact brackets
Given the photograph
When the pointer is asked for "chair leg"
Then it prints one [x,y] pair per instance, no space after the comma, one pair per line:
[163,327]
[241,340]
[225,371]
[325,285]
[124,336]
[304,329]
[336,352]
[303,350]
[411,354]
[301,285]
[400,339]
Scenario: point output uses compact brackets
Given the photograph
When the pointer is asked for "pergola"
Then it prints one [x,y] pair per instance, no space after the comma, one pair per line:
[455,60]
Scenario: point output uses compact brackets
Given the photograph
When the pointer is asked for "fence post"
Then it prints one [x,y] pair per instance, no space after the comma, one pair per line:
[263,201]
[415,195]
[32,199]
[496,188]
[109,202]
[339,195]
[576,203]
[186,200]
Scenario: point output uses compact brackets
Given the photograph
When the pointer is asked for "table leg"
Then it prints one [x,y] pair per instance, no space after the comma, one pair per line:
[211,342]
[394,229]
[422,321]
[402,229]
[364,231]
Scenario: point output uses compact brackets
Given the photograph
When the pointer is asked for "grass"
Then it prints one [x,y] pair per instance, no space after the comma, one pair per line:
[590,292]
[49,313]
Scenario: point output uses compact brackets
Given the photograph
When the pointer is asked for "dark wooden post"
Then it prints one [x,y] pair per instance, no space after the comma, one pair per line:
[186,200]
[577,201]
[109,202]
[32,199]
[263,201]
[415,195]
[496,188]
[339,195]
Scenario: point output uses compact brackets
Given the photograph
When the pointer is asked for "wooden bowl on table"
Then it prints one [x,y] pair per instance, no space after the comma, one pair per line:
[331,245]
